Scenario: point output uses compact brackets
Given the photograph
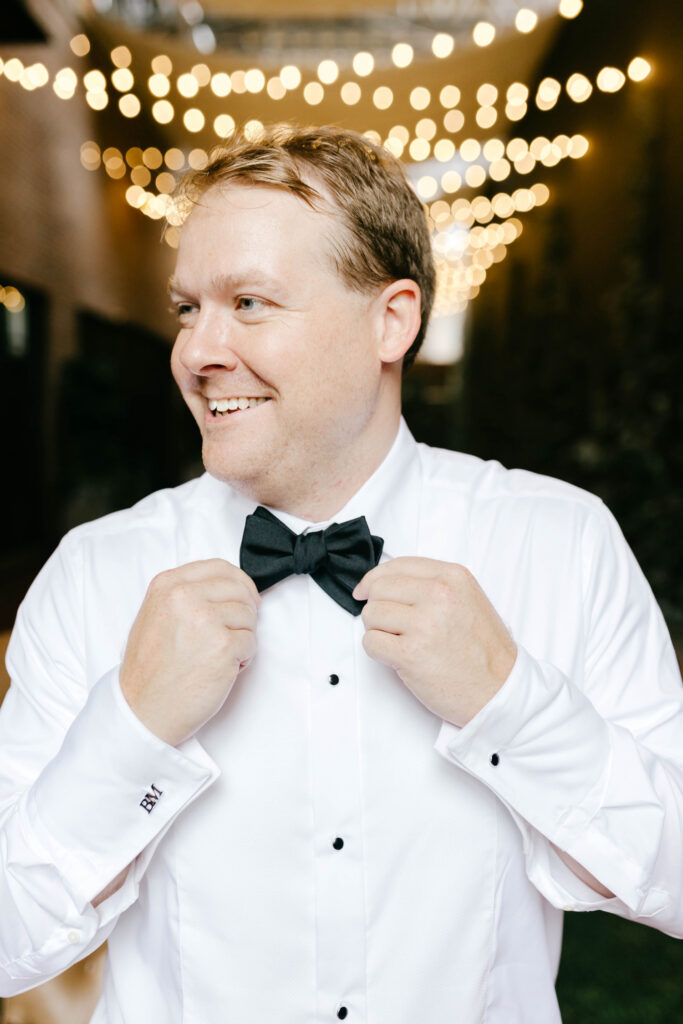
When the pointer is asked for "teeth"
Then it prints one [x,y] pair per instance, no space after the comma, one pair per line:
[223,405]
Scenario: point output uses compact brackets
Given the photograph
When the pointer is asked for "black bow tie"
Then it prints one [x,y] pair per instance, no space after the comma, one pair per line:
[337,558]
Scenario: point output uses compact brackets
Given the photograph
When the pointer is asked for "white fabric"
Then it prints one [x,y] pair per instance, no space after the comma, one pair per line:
[445,902]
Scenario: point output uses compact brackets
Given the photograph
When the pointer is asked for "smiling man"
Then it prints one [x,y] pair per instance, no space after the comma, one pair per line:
[340,728]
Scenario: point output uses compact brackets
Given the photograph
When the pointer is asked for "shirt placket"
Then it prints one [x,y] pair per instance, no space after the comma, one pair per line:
[340,920]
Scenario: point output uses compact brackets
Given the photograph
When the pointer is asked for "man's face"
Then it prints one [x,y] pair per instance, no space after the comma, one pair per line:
[263,314]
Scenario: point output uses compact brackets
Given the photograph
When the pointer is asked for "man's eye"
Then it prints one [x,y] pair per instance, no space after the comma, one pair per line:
[182,309]
[249,303]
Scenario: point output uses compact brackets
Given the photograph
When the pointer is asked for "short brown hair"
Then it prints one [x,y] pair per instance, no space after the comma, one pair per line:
[386,237]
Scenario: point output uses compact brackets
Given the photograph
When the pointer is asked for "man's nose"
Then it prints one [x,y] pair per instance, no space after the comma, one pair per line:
[208,346]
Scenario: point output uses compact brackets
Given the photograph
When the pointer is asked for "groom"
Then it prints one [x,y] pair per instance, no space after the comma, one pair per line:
[340,728]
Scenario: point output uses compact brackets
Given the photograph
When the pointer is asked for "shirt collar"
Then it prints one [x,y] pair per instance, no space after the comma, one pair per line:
[389,500]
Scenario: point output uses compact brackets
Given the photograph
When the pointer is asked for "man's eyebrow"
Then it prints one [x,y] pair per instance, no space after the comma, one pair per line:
[224,282]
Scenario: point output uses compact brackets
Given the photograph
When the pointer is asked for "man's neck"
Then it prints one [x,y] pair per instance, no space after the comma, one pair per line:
[322,501]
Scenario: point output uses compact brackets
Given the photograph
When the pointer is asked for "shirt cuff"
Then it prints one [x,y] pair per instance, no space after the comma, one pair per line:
[113,787]
[543,749]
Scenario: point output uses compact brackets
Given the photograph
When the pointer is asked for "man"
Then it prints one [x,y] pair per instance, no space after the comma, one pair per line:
[275,807]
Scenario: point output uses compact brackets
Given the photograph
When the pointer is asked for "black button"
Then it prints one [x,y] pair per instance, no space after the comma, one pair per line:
[334,679]
[338,843]
[495,760]
[342,1012]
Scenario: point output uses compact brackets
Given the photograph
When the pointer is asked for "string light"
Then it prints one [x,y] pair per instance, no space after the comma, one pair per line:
[12,299]
[499,157]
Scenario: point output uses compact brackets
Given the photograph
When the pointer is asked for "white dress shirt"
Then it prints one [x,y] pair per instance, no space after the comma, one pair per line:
[325,847]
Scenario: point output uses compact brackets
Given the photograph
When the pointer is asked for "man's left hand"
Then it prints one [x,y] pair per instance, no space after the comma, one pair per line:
[433,624]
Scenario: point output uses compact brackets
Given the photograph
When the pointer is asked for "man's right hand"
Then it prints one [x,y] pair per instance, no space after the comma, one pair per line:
[196,629]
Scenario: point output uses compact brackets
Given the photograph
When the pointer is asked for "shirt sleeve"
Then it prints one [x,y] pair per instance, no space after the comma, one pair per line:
[594,765]
[85,788]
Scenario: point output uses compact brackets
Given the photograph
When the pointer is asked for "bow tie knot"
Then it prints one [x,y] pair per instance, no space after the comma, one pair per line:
[336,558]
[310,552]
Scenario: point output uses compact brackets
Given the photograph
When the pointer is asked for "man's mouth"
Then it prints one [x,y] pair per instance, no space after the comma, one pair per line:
[221,406]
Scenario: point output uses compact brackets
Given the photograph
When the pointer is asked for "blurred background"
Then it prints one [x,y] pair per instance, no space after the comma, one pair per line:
[544,141]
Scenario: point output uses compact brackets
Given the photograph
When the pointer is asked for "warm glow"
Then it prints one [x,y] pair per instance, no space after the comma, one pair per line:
[541,193]
[140,176]
[202,72]
[475,175]
[425,128]
[275,88]
[494,149]
[547,94]
[638,69]
[313,93]
[162,111]
[540,147]
[502,205]
[122,79]
[328,71]
[129,105]
[402,55]
[158,85]
[525,163]
[14,69]
[121,57]
[515,111]
[193,119]
[255,80]
[90,156]
[453,121]
[363,63]
[579,146]
[253,130]
[238,81]
[187,85]
[451,181]
[525,20]
[443,44]
[487,94]
[469,150]
[80,45]
[578,88]
[135,196]
[517,94]
[133,156]
[174,158]
[350,93]
[383,97]
[419,149]
[444,150]
[395,146]
[449,96]
[290,76]
[162,65]
[420,98]
[198,159]
[400,132]
[94,81]
[427,187]
[220,84]
[96,100]
[483,33]
[499,169]
[152,158]
[516,148]
[610,79]
[165,182]
[570,8]
[486,117]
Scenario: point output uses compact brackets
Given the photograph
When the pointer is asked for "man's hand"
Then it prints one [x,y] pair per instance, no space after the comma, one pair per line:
[433,624]
[194,632]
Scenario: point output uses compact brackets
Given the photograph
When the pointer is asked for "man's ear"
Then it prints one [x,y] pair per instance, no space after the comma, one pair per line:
[399,317]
